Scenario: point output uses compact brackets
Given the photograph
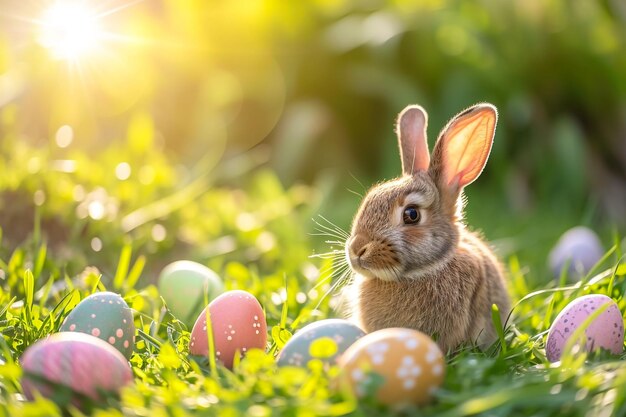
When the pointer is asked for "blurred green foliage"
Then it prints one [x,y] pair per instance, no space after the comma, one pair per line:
[87,215]
[314,87]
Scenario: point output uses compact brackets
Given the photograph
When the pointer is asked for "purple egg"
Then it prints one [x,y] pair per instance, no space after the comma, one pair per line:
[84,365]
[579,246]
[605,331]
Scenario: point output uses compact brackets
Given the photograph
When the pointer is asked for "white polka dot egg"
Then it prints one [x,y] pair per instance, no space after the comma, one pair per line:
[604,331]
[409,366]
[107,316]
[238,324]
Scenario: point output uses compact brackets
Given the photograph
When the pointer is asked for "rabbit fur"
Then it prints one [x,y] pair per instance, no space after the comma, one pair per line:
[429,274]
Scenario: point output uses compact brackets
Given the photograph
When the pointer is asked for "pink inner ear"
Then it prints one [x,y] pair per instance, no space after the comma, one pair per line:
[412,124]
[467,145]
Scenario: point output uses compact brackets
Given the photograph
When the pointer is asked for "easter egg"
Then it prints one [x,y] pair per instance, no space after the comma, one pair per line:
[238,325]
[325,340]
[580,248]
[605,331]
[104,315]
[182,285]
[84,364]
[398,366]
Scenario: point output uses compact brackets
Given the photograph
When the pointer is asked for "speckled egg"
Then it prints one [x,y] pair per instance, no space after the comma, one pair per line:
[85,364]
[238,325]
[325,340]
[605,331]
[107,316]
[407,365]
[182,285]
[580,247]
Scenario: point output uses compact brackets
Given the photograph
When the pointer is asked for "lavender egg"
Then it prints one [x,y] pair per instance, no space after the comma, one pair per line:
[605,331]
[580,248]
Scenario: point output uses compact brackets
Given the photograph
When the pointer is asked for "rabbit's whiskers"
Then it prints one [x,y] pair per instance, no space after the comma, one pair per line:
[338,272]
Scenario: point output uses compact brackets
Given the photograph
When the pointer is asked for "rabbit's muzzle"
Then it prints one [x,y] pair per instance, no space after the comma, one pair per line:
[372,258]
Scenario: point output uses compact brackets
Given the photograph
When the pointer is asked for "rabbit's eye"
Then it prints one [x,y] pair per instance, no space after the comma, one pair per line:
[411,215]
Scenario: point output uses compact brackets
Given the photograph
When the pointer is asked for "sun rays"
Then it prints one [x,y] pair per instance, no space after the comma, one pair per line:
[76,31]
[70,30]
[87,38]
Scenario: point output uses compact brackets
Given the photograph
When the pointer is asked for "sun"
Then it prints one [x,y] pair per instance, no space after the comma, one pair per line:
[69,30]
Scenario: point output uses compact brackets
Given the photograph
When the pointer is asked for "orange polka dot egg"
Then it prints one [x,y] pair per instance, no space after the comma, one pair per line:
[106,316]
[397,366]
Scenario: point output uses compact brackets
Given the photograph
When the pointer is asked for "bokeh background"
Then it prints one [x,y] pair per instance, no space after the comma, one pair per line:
[216,130]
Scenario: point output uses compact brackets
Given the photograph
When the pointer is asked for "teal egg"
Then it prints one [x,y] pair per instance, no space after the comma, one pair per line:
[106,316]
[325,340]
[182,285]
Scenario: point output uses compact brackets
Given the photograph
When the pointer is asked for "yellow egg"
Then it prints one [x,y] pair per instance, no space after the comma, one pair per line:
[398,366]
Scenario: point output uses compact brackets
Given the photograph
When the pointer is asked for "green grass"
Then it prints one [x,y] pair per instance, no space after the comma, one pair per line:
[259,236]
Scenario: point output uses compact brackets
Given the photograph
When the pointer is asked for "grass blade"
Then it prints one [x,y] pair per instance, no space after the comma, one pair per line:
[47,326]
[135,272]
[122,266]
[29,292]
[39,262]
[6,307]
[497,322]
[609,290]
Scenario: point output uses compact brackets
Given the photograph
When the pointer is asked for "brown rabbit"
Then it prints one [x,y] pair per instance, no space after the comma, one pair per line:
[415,263]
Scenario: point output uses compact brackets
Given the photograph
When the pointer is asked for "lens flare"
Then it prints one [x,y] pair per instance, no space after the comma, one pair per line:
[69,30]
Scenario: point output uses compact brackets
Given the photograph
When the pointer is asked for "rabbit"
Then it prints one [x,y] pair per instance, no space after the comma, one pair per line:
[415,264]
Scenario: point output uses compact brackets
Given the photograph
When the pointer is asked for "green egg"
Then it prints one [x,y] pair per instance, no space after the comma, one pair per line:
[106,316]
[182,285]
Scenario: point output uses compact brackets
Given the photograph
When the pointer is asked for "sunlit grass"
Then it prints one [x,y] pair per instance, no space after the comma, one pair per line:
[44,277]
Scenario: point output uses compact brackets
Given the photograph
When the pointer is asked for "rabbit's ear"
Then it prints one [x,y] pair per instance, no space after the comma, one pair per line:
[463,147]
[411,131]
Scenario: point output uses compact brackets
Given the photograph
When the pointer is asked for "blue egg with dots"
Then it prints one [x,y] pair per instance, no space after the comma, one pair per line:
[325,340]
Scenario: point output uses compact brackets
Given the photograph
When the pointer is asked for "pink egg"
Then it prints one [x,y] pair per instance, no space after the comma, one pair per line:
[605,331]
[83,363]
[238,325]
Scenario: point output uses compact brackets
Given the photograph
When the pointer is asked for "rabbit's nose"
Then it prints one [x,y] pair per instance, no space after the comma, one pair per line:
[359,246]
[362,251]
